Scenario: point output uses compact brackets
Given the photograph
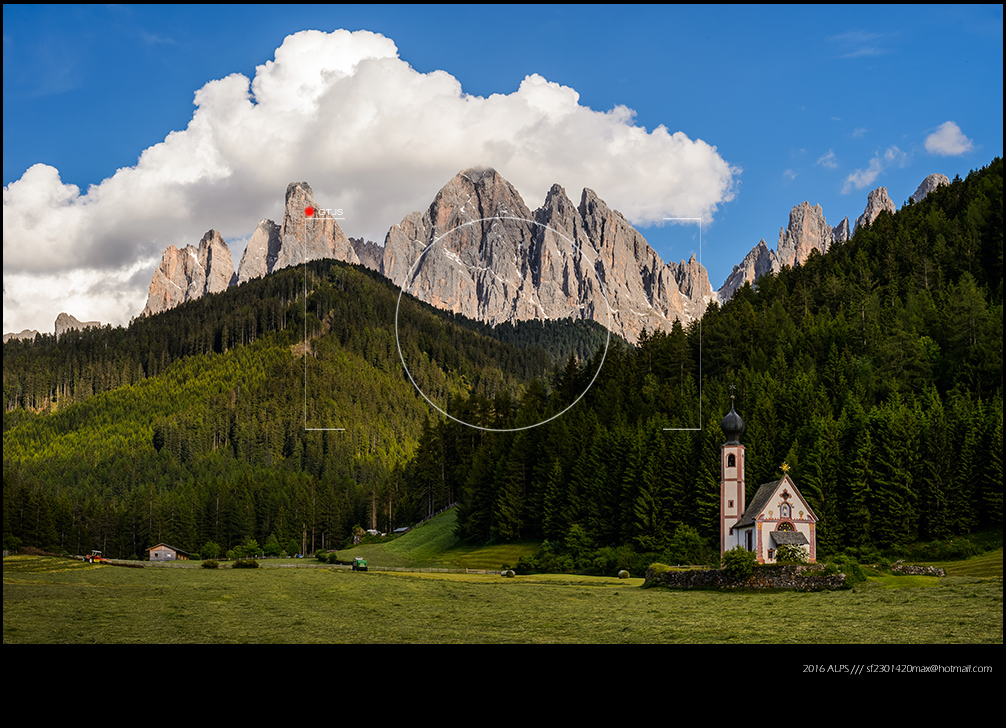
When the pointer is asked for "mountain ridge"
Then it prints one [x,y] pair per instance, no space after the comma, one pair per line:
[563,259]
[808,230]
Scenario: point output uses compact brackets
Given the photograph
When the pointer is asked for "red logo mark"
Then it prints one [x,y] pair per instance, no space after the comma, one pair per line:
[309,211]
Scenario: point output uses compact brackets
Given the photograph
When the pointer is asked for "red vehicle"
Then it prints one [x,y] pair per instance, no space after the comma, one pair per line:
[95,557]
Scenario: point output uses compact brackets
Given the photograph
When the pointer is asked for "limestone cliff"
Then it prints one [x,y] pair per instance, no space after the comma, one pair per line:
[877,202]
[65,322]
[479,251]
[309,237]
[807,231]
[25,335]
[261,253]
[190,273]
[759,261]
[929,184]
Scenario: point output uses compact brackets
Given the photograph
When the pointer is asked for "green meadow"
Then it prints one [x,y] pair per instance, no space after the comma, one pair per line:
[57,600]
[51,600]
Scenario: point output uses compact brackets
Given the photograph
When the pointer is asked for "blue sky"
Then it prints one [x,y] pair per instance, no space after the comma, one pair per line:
[800,103]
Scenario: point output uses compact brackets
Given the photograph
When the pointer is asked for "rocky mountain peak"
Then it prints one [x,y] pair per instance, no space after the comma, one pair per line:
[929,184]
[298,191]
[481,252]
[215,258]
[469,249]
[841,232]
[23,335]
[65,322]
[807,231]
[371,254]
[190,273]
[304,237]
[261,253]
[759,261]
[876,202]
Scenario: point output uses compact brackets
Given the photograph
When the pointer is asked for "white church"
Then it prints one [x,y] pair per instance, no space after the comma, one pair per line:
[778,513]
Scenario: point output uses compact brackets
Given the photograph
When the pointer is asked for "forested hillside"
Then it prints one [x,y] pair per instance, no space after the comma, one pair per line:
[191,426]
[874,371]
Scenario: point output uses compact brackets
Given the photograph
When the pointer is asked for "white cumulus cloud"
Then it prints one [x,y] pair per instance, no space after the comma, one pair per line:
[948,141]
[373,137]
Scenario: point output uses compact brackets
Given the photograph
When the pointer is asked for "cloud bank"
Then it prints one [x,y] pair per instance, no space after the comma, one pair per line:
[373,137]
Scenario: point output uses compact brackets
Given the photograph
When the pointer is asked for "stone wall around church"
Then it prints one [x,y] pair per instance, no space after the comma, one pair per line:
[802,577]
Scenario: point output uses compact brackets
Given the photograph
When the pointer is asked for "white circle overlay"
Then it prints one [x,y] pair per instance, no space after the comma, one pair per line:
[408,282]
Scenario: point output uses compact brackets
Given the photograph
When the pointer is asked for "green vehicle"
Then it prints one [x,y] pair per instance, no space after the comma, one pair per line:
[359,564]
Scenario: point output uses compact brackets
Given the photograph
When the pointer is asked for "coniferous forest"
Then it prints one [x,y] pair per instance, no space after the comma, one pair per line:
[874,372]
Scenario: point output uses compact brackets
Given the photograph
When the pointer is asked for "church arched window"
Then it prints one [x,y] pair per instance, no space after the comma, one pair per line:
[731,461]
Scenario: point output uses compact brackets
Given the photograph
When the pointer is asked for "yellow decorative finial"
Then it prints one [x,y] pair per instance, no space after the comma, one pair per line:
[784,468]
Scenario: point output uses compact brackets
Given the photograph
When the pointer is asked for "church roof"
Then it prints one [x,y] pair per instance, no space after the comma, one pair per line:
[732,425]
[761,499]
[757,504]
[793,538]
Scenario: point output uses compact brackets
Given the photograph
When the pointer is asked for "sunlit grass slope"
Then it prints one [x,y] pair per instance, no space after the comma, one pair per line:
[433,544]
[986,565]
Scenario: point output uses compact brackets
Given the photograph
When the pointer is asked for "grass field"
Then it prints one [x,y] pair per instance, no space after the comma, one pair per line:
[53,600]
[57,600]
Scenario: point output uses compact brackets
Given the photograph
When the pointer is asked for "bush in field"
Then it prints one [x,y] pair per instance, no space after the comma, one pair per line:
[739,563]
[846,564]
[791,554]
[245,564]
[322,556]
[210,564]
[333,557]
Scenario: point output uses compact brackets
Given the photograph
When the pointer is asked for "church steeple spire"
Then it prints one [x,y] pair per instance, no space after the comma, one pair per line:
[732,495]
[732,425]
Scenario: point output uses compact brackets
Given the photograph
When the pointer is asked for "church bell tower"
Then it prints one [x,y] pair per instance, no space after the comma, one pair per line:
[732,478]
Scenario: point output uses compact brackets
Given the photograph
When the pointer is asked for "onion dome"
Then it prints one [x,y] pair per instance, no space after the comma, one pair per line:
[732,425]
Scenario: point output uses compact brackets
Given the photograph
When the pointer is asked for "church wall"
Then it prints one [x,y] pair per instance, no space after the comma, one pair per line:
[774,514]
[776,576]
